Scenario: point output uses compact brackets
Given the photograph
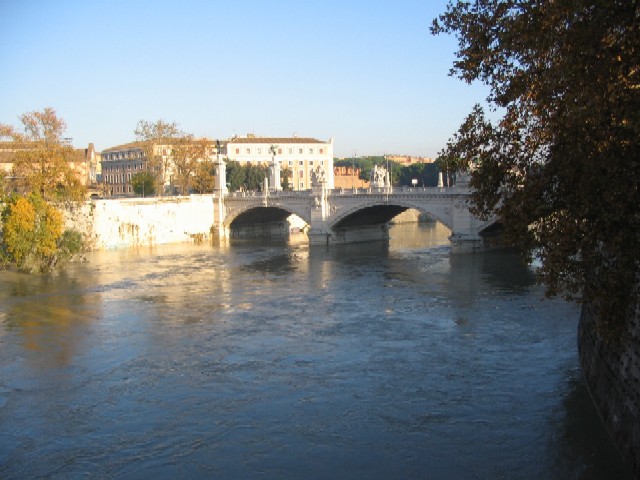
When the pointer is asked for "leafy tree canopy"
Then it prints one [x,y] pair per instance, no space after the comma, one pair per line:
[366,164]
[561,166]
[42,158]
[33,236]
[204,180]
[246,177]
[144,184]
[157,138]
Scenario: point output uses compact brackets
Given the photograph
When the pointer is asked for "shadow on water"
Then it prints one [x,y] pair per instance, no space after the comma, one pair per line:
[583,450]
[504,271]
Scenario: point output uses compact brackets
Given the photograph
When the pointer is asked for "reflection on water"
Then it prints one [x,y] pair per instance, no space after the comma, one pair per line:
[48,312]
[272,360]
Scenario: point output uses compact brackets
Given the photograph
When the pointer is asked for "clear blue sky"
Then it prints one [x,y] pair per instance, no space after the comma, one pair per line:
[368,74]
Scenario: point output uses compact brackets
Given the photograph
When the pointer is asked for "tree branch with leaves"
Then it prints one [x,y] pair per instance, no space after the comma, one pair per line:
[561,165]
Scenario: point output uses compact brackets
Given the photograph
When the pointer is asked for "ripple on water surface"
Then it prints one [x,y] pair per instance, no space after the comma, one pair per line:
[284,361]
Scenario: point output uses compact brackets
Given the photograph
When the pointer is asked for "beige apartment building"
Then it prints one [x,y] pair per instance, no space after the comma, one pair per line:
[304,157]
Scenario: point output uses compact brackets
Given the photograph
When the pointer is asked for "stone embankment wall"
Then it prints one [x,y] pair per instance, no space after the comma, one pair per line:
[612,373]
[136,222]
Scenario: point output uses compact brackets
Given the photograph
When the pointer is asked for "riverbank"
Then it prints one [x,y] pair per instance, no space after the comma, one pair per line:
[612,373]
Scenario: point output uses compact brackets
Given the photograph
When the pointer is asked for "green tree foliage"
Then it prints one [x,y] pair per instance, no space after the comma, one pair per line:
[285,175]
[561,166]
[144,184]
[246,177]
[366,164]
[43,160]
[425,173]
[254,180]
[235,175]
[33,236]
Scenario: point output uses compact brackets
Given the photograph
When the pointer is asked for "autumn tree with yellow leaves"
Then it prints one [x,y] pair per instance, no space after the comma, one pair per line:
[32,234]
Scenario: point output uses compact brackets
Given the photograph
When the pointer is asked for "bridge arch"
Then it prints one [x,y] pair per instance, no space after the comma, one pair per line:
[260,214]
[379,212]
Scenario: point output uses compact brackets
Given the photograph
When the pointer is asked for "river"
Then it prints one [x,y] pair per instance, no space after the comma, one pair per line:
[273,360]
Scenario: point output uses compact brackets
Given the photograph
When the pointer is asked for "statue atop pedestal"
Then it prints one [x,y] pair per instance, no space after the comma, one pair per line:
[378,176]
[318,177]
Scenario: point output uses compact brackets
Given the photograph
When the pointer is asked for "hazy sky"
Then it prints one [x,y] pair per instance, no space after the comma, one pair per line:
[368,74]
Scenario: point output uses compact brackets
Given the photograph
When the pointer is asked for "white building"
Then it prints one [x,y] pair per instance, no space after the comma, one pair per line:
[305,158]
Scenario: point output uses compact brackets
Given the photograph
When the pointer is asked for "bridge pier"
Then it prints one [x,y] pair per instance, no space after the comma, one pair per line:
[218,230]
[348,235]
[318,236]
[466,243]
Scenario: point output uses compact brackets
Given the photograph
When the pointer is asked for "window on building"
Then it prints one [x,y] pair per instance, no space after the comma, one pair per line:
[300,150]
[290,151]
[279,151]
[247,151]
[259,152]
[310,151]
[237,151]
[321,151]
[310,162]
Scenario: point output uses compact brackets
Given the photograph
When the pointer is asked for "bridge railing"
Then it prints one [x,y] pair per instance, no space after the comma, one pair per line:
[341,191]
[389,190]
[271,193]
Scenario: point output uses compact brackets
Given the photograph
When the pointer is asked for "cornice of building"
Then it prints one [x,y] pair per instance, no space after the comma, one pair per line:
[275,140]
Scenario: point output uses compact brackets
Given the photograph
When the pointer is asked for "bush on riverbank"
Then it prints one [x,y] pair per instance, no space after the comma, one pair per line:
[33,237]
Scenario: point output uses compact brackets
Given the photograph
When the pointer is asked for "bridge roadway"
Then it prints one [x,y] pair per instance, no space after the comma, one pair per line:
[350,215]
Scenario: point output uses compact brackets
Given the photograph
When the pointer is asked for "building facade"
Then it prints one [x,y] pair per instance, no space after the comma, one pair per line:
[119,164]
[348,177]
[305,158]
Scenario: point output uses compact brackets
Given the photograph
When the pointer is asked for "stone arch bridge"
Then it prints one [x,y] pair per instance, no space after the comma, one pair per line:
[347,215]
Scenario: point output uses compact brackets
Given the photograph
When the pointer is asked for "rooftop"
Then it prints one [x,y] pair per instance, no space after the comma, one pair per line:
[274,140]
